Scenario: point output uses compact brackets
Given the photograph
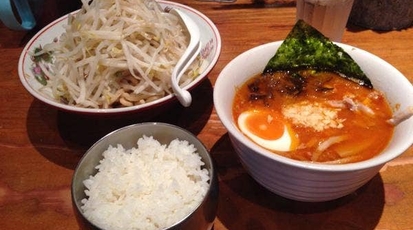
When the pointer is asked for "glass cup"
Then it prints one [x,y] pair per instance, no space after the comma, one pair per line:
[16,14]
[328,16]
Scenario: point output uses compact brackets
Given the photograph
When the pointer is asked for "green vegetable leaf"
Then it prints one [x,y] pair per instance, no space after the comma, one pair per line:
[307,48]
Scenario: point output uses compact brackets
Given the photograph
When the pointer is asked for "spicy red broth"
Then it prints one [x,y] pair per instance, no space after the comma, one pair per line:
[325,117]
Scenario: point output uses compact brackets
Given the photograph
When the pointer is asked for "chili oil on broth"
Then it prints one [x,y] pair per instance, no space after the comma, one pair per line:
[326,118]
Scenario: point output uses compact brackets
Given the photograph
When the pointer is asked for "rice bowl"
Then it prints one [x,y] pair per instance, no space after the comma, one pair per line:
[166,180]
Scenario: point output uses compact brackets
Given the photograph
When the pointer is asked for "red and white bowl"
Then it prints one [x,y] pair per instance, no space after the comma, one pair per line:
[210,51]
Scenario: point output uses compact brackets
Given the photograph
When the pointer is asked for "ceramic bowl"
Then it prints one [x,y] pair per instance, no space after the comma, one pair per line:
[305,181]
[204,214]
[210,51]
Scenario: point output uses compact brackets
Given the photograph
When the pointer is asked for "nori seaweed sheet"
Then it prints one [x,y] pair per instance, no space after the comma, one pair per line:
[307,48]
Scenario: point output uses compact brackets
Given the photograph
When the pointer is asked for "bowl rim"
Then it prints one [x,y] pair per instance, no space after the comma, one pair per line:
[234,132]
[212,185]
[163,100]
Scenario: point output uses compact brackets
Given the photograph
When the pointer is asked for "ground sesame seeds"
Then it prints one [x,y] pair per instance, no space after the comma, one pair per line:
[313,115]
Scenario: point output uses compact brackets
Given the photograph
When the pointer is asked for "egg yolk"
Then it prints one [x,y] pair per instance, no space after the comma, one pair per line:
[268,129]
[264,125]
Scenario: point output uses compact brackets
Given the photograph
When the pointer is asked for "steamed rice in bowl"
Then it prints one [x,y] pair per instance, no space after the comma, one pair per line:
[130,180]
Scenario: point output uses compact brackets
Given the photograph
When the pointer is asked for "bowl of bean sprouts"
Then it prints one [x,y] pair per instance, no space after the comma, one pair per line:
[115,57]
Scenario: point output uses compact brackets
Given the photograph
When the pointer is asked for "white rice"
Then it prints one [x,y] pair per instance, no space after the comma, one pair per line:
[152,186]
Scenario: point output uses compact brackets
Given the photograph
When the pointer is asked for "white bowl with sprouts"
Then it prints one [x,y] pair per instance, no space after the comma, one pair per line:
[94,97]
[304,180]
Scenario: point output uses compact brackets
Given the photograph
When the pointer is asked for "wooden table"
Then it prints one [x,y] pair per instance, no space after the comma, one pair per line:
[40,146]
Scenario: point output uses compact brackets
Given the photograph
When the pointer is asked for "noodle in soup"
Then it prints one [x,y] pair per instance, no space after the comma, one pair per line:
[321,117]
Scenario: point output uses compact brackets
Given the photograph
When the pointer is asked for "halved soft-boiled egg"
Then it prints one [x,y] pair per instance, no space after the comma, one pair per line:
[267,129]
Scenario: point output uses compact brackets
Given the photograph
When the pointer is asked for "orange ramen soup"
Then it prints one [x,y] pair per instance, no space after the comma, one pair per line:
[313,116]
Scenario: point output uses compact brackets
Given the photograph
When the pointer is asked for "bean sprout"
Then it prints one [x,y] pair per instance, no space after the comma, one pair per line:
[115,53]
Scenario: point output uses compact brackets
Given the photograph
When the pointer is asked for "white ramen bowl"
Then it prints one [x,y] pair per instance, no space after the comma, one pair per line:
[305,181]
[210,51]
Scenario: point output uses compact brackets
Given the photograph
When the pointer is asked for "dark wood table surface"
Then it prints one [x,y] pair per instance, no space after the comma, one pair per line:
[40,145]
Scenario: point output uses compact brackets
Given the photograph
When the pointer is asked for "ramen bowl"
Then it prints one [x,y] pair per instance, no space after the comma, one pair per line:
[210,51]
[307,181]
[203,210]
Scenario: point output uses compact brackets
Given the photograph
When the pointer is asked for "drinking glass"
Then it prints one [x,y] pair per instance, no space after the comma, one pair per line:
[328,16]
